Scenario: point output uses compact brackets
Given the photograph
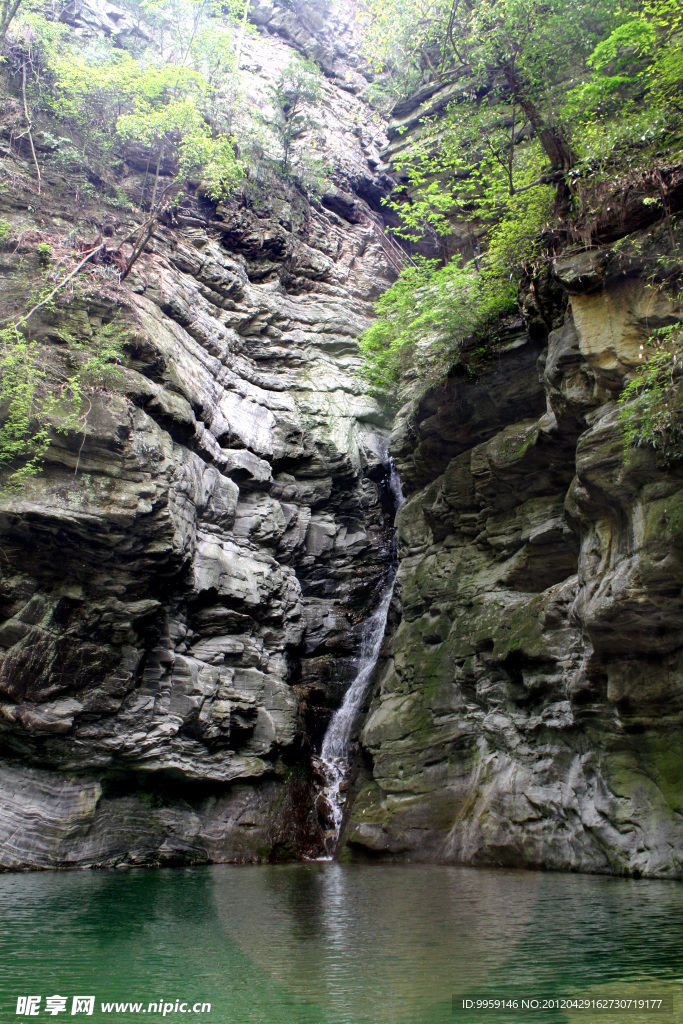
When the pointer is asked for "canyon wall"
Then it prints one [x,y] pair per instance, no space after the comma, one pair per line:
[530,712]
[183,581]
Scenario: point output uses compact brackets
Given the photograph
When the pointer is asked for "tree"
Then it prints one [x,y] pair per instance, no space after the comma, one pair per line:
[545,95]
[433,313]
[631,98]
[114,97]
[165,117]
[111,93]
[177,128]
[299,85]
[511,58]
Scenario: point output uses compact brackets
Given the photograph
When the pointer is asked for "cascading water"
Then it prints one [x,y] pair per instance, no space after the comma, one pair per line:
[333,761]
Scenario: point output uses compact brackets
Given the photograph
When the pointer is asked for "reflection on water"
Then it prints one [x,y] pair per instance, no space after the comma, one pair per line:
[392,940]
[334,944]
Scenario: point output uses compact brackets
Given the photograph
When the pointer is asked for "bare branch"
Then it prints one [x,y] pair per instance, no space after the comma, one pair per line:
[139,247]
[85,428]
[449,32]
[61,284]
[545,179]
[28,121]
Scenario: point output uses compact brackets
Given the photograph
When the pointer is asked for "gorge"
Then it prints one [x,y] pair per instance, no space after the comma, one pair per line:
[187,582]
[334,751]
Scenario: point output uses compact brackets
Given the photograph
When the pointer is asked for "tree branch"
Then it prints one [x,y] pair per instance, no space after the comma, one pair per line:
[139,247]
[61,284]
[147,230]
[85,427]
[449,31]
[545,179]
[431,67]
[556,148]
[28,121]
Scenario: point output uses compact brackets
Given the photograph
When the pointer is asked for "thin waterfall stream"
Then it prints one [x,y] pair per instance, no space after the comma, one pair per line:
[334,754]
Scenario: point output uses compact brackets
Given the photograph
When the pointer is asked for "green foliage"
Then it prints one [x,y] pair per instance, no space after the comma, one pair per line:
[91,86]
[23,439]
[533,84]
[515,239]
[95,359]
[44,253]
[168,101]
[629,103]
[34,400]
[473,176]
[543,92]
[182,97]
[165,112]
[178,24]
[489,160]
[538,86]
[424,319]
[652,402]
[513,55]
[177,127]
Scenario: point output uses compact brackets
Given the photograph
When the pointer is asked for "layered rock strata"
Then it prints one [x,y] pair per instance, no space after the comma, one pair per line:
[182,583]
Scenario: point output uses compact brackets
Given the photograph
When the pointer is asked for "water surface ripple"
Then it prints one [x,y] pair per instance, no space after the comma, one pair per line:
[327,943]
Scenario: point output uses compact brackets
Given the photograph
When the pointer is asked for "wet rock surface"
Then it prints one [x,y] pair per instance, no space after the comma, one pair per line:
[531,712]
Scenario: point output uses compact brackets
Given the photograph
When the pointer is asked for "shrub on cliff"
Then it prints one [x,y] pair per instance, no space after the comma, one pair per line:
[298,86]
[651,410]
[36,401]
[167,101]
[424,320]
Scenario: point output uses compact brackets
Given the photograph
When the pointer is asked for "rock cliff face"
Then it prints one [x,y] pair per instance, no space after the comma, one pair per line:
[531,712]
[181,587]
[181,584]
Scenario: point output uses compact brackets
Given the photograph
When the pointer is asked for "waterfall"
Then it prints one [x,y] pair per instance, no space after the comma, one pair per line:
[333,761]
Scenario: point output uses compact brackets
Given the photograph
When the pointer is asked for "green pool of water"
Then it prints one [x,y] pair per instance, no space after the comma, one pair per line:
[336,944]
